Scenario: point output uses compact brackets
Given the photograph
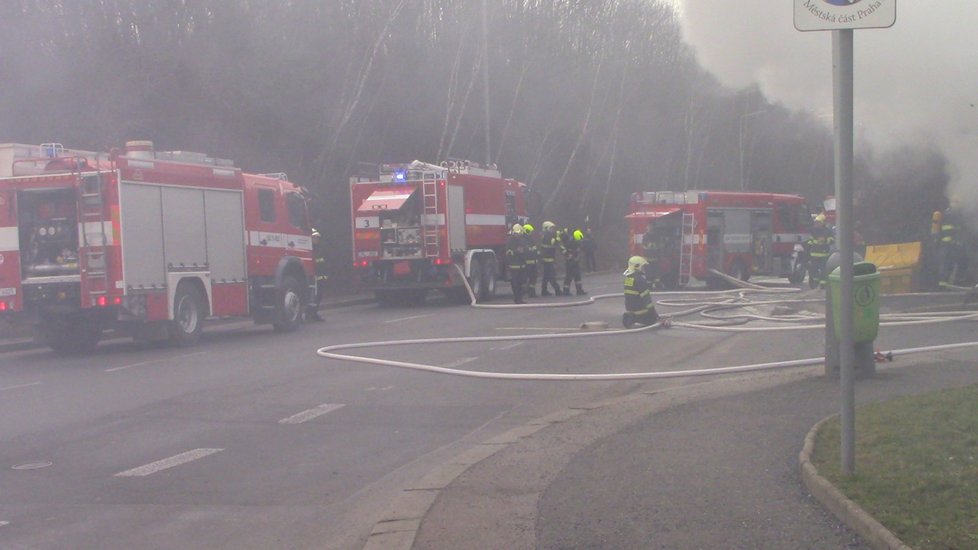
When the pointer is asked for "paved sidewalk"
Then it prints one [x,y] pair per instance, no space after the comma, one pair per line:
[710,465]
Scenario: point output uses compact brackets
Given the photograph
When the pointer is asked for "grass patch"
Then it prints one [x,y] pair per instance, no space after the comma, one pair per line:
[916,466]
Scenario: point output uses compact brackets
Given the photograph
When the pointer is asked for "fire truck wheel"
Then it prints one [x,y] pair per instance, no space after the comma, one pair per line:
[487,290]
[475,279]
[71,335]
[188,316]
[289,308]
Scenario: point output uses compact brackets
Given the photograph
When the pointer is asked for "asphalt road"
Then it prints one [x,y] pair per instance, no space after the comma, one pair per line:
[250,440]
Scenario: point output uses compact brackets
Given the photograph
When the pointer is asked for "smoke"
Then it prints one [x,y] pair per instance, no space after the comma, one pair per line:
[916,83]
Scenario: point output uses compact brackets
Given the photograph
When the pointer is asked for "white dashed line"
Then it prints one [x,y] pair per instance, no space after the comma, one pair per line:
[124,367]
[407,318]
[307,415]
[4,523]
[508,346]
[20,386]
[167,463]
[459,362]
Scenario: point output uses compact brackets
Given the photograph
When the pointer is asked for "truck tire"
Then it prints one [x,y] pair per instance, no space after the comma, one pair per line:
[476,279]
[487,288]
[189,311]
[70,335]
[289,305]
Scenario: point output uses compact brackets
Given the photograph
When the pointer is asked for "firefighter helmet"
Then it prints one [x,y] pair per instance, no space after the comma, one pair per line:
[315,235]
[527,228]
[578,235]
[517,229]
[820,218]
[636,263]
[548,225]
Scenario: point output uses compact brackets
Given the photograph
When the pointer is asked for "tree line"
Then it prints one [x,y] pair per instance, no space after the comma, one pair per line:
[588,100]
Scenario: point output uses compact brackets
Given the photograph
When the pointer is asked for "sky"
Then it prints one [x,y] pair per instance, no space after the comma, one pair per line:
[915,84]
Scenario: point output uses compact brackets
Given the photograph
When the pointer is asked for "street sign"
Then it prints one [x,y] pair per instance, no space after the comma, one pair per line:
[830,15]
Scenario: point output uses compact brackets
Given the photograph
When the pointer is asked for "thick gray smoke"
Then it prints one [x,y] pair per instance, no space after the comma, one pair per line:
[915,83]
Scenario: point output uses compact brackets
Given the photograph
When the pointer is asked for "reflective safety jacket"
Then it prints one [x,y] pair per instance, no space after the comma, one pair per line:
[949,228]
[548,247]
[516,252]
[638,292]
[819,247]
[531,251]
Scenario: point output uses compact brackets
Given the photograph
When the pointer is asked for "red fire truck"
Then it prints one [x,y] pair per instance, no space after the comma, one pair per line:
[699,232]
[146,241]
[414,224]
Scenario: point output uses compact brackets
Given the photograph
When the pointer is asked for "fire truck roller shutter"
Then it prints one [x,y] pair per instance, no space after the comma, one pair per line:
[140,213]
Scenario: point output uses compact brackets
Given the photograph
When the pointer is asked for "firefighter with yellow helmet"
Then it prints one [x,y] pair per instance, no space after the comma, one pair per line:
[516,262]
[532,259]
[638,295]
[572,262]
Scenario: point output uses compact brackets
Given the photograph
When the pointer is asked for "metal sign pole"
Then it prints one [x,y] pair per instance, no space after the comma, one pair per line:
[842,42]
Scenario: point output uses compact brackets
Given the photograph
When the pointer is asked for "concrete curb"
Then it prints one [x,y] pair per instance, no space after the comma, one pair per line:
[848,512]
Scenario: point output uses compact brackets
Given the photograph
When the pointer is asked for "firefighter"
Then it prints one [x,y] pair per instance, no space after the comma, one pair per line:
[516,262]
[953,257]
[532,257]
[312,310]
[650,245]
[572,262]
[549,241]
[638,295]
[818,247]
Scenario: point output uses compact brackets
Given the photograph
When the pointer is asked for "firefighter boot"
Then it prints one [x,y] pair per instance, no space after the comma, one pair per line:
[580,290]
[544,291]
[566,291]
[531,291]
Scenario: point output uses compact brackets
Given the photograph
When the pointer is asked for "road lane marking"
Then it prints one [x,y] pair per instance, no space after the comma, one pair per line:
[309,414]
[168,463]
[543,329]
[459,362]
[151,361]
[408,318]
[4,523]
[375,388]
[507,346]
[20,386]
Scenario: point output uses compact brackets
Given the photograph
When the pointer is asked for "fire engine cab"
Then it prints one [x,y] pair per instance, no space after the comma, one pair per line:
[699,233]
[147,242]
[421,226]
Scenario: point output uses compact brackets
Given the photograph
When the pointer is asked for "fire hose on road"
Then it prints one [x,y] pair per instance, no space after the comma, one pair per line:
[723,300]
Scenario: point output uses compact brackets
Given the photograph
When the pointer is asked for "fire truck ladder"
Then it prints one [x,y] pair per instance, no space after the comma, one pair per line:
[686,249]
[90,210]
[429,221]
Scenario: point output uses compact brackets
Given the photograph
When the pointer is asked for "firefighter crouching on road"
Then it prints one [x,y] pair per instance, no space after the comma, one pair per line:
[516,262]
[532,257]
[638,295]
[312,310]
[572,262]
[549,241]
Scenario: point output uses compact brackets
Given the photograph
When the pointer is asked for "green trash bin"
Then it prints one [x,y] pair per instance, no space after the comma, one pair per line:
[865,301]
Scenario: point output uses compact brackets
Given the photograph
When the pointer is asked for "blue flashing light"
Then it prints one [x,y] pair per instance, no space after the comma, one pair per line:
[400,175]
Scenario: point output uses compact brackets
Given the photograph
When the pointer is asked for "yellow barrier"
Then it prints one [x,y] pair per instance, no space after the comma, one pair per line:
[898,265]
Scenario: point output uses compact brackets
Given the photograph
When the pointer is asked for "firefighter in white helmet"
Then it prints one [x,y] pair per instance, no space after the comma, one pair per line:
[312,310]
[549,242]
[638,295]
